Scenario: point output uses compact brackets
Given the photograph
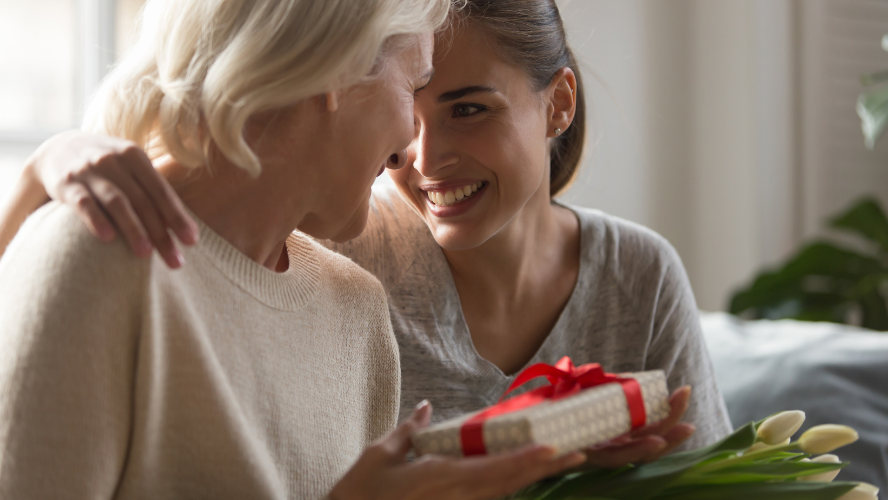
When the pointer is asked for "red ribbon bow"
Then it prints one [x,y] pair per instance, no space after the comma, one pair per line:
[565,380]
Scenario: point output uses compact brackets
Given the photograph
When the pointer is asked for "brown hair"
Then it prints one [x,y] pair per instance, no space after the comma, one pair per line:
[530,34]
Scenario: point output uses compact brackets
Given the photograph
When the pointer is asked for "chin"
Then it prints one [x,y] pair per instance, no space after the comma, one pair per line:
[354,228]
[456,239]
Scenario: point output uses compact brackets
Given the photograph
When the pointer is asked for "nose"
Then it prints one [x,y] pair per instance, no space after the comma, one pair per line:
[397,160]
[432,153]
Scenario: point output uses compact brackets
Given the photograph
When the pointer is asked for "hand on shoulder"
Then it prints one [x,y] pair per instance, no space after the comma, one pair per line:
[113,187]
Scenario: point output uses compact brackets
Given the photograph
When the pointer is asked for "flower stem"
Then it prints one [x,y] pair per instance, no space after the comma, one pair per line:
[747,457]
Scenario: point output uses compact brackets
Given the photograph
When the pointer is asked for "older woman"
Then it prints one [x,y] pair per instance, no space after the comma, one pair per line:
[266,366]
[493,274]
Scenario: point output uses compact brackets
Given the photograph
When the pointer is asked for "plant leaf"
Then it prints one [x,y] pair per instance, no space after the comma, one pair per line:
[760,491]
[759,472]
[645,481]
[867,219]
[839,269]
[874,78]
[872,107]
[875,311]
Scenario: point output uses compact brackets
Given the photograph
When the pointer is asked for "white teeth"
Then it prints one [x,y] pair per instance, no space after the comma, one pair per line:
[458,194]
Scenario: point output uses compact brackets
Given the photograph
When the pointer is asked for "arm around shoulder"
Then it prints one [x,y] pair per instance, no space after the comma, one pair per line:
[26,197]
[70,321]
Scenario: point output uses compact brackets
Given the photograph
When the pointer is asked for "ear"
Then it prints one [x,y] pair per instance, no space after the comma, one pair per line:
[332,101]
[562,95]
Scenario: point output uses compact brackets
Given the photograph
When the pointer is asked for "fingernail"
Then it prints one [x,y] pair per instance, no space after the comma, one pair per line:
[422,404]
[577,458]
[194,233]
[179,257]
[547,452]
[687,389]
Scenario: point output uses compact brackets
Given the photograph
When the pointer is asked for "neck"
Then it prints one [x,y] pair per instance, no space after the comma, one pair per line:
[542,236]
[244,211]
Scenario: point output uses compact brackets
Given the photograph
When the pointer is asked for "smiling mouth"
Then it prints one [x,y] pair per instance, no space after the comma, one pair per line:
[454,196]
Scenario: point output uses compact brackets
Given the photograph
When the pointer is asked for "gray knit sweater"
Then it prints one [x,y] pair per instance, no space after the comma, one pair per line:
[632,309]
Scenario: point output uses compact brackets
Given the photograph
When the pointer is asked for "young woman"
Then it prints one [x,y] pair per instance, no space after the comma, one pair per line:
[485,273]
[266,366]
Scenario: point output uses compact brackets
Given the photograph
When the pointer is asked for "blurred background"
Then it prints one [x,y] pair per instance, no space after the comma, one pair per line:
[728,126]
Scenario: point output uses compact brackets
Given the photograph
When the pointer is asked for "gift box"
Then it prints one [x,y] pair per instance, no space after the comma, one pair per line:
[581,407]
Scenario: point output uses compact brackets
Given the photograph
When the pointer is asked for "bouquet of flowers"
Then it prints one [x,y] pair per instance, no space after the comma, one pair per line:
[758,461]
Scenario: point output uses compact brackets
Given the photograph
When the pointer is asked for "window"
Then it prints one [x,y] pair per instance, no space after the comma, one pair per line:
[55,53]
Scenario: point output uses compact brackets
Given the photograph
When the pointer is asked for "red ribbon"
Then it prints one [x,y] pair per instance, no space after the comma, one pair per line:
[565,380]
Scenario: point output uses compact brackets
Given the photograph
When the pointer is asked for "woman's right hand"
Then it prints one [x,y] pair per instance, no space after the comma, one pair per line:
[382,472]
[113,186]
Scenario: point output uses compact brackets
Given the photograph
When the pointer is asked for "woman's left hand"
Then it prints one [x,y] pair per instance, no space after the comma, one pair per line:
[648,443]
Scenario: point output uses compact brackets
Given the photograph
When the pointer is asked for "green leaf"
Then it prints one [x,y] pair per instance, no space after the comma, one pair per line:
[542,489]
[838,269]
[874,78]
[867,219]
[645,481]
[783,457]
[760,491]
[766,471]
[872,107]
[875,311]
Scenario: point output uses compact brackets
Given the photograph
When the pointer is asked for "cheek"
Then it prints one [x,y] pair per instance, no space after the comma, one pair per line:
[528,151]
[515,154]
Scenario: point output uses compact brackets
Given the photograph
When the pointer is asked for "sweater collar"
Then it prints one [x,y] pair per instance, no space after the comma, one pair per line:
[286,291]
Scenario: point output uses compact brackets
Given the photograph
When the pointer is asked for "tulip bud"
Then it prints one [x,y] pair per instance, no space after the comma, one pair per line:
[823,477]
[826,438]
[763,446]
[863,491]
[780,427]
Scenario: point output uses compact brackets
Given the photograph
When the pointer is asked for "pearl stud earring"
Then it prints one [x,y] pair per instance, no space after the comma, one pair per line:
[557,131]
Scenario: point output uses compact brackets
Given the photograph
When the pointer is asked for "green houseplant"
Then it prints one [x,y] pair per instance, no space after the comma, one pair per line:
[829,282]
[872,106]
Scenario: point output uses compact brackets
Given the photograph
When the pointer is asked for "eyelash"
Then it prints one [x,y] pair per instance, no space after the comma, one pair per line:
[457,107]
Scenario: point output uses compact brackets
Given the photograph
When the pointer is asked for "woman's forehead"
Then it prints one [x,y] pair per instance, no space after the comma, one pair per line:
[466,55]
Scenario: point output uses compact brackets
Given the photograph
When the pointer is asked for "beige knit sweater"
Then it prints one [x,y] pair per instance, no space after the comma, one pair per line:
[122,379]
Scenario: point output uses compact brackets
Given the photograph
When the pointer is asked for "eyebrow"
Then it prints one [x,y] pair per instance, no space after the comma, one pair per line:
[460,93]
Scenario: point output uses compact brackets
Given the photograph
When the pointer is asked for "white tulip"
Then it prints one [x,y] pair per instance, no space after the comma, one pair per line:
[826,438]
[863,491]
[780,427]
[823,477]
[763,446]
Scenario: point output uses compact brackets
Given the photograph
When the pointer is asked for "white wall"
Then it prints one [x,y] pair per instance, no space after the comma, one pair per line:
[695,135]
